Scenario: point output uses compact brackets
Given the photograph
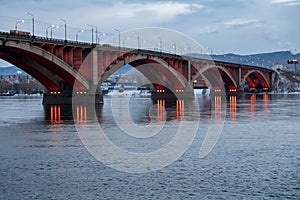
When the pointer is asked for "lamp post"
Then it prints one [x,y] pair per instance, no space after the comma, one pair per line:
[174,47]
[52,31]
[138,40]
[188,48]
[102,34]
[128,38]
[28,13]
[293,61]
[93,26]
[99,37]
[47,30]
[119,37]
[160,44]
[18,22]
[77,34]
[65,28]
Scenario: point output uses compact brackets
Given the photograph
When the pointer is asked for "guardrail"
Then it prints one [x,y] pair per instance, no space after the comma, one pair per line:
[31,38]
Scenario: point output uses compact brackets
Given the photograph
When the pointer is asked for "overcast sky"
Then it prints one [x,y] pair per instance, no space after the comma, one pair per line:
[220,26]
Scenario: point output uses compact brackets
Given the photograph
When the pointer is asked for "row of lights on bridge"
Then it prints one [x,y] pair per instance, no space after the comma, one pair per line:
[81,92]
[58,92]
[55,92]
[217,90]
[161,91]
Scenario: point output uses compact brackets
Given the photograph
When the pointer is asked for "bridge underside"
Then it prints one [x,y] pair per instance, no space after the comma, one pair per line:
[72,72]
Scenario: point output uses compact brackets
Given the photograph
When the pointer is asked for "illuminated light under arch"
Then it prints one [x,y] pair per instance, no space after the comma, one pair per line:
[265,84]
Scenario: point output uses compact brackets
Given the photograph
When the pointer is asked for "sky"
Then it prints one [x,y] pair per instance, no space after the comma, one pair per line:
[219,26]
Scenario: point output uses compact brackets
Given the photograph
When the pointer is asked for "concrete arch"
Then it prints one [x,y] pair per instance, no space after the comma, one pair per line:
[210,66]
[45,77]
[54,66]
[260,73]
[137,60]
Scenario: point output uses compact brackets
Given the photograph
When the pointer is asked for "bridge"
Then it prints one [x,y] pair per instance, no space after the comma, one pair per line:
[74,69]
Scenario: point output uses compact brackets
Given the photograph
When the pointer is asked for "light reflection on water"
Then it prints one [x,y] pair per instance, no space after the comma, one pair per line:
[257,156]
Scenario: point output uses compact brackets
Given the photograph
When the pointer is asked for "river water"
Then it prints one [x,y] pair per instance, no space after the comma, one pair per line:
[256,154]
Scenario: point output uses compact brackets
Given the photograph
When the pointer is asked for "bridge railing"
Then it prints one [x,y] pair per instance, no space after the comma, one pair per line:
[31,38]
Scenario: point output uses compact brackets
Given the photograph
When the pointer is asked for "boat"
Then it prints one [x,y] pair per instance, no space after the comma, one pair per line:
[7,93]
[142,92]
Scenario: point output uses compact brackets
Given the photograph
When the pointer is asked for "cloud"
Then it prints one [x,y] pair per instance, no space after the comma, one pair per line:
[223,25]
[286,2]
[209,29]
[154,11]
[240,22]
[208,21]
[127,15]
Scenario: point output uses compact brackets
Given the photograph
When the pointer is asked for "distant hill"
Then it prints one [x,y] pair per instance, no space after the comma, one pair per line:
[267,60]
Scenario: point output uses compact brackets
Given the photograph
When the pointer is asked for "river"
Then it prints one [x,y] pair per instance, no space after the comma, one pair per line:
[255,154]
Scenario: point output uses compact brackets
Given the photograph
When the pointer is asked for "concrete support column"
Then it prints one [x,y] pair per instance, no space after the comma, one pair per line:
[94,66]
[186,70]
[274,81]
[77,58]
[58,51]
[189,72]
[68,55]
[240,87]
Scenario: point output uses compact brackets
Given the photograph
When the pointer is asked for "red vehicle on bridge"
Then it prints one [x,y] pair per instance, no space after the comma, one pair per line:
[19,33]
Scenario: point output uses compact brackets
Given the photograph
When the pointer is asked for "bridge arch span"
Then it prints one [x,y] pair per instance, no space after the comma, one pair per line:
[212,74]
[45,77]
[256,80]
[47,68]
[157,70]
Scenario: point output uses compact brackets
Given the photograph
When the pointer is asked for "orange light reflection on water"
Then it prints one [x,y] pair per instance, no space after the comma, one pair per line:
[161,105]
[265,105]
[81,113]
[179,109]
[252,106]
[55,114]
[232,104]
[218,107]
[161,109]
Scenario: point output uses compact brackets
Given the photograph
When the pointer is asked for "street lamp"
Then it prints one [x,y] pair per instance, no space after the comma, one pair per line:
[77,34]
[47,30]
[138,40]
[99,37]
[65,28]
[20,21]
[174,47]
[128,38]
[28,13]
[52,31]
[293,61]
[102,34]
[119,37]
[160,44]
[93,26]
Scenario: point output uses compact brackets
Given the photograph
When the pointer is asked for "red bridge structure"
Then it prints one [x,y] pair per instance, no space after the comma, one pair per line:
[71,69]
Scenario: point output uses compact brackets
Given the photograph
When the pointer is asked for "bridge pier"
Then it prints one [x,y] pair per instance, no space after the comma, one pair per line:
[240,90]
[57,98]
[170,96]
